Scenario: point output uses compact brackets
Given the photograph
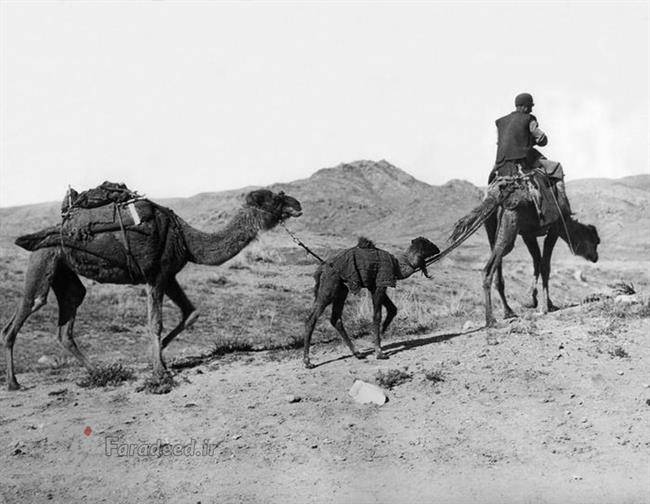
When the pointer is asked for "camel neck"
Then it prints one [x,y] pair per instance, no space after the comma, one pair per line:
[406,269]
[218,247]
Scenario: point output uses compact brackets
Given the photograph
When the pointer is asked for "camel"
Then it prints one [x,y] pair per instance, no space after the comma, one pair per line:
[363,266]
[153,253]
[503,223]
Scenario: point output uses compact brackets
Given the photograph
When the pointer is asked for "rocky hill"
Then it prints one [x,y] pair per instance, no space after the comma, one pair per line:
[386,203]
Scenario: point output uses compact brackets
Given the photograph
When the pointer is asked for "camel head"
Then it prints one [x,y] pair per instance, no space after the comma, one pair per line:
[277,206]
[419,251]
[584,238]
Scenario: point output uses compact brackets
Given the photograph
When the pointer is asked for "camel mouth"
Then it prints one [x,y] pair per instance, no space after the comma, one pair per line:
[292,212]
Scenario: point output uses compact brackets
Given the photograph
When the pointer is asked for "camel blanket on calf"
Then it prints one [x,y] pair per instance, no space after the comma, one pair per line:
[365,267]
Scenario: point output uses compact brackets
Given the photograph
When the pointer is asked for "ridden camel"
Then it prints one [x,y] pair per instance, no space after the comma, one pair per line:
[160,248]
[363,266]
[503,224]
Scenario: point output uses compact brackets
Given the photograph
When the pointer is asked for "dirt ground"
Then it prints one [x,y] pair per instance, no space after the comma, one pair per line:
[542,409]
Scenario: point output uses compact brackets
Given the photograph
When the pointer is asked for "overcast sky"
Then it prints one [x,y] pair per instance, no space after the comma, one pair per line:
[179,98]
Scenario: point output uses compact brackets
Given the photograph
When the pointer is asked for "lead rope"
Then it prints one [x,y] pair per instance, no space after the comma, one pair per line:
[300,243]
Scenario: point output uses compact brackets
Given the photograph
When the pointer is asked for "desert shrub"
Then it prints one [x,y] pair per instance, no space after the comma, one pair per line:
[108,375]
[392,377]
[622,288]
[525,327]
[218,280]
[117,328]
[434,375]
[272,286]
[620,352]
[158,383]
[611,309]
[238,266]
[263,255]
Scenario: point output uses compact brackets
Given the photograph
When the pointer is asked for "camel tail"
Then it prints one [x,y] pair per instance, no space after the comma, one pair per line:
[472,221]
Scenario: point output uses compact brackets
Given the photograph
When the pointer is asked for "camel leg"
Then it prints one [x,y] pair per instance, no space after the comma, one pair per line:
[501,289]
[549,242]
[504,242]
[378,296]
[38,279]
[70,293]
[391,311]
[336,319]
[154,311]
[188,312]
[316,311]
[533,249]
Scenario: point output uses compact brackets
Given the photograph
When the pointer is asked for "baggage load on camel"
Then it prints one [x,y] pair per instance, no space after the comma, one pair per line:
[365,266]
[104,194]
[108,207]
[104,230]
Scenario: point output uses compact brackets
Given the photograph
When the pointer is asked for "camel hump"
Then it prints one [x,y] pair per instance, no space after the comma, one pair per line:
[365,243]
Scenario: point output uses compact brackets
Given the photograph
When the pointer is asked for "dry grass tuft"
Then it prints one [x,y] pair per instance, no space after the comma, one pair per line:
[106,376]
[392,378]
[434,375]
[158,383]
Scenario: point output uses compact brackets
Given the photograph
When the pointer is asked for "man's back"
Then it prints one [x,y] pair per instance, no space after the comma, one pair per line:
[515,140]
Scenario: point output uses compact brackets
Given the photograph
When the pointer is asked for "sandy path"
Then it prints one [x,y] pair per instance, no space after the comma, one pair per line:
[542,417]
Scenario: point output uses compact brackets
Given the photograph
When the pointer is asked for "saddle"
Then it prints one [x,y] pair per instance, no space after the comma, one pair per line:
[520,186]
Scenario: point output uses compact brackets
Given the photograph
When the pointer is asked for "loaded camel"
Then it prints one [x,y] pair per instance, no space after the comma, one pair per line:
[149,247]
[363,266]
[506,213]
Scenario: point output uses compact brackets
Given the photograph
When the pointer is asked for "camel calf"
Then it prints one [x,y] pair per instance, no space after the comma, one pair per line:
[364,266]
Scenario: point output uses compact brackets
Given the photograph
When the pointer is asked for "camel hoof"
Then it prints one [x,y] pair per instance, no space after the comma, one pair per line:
[13,385]
[509,314]
[381,356]
[309,365]
[491,322]
[359,355]
[529,304]
[552,307]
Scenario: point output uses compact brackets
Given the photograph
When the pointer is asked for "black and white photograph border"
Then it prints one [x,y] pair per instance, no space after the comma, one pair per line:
[324,252]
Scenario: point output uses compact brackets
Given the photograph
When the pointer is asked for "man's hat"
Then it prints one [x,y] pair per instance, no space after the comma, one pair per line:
[524,100]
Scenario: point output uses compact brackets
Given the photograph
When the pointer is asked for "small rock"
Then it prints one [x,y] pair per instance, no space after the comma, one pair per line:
[576,477]
[620,373]
[293,398]
[579,276]
[469,325]
[57,392]
[647,401]
[48,361]
[190,405]
[236,437]
[363,393]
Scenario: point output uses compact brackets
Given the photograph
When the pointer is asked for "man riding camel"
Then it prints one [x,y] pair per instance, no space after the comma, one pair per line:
[518,133]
